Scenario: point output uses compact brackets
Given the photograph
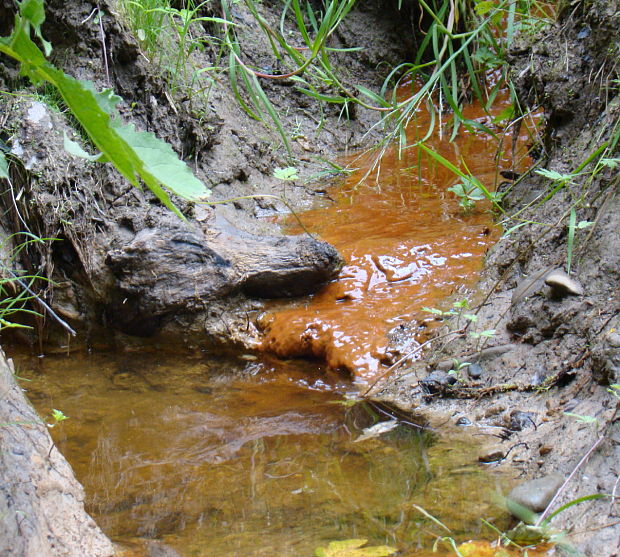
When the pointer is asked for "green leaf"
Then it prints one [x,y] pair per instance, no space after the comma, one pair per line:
[483,8]
[59,415]
[288,173]
[584,224]
[135,154]
[353,548]
[555,176]
[75,149]
[611,163]
[4,167]
[33,11]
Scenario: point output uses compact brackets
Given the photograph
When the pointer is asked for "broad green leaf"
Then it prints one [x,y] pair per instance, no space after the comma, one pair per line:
[76,150]
[33,11]
[135,154]
[4,167]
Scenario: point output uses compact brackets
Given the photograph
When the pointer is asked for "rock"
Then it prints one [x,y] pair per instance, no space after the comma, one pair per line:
[529,286]
[534,495]
[613,339]
[520,420]
[475,371]
[463,421]
[562,285]
[437,381]
[41,503]
[491,454]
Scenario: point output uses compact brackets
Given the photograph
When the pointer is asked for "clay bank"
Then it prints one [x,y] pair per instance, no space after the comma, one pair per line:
[189,437]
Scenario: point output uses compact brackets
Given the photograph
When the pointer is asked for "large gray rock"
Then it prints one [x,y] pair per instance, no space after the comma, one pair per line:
[534,495]
[41,503]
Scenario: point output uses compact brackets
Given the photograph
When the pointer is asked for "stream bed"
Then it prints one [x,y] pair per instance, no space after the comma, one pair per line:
[246,455]
[240,457]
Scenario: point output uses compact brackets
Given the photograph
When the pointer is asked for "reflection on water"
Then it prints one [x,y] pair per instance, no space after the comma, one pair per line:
[407,242]
[246,458]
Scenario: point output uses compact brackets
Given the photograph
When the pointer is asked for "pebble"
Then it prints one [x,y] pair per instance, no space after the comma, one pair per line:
[463,421]
[474,371]
[491,454]
[534,495]
[613,339]
[436,381]
[520,420]
[562,285]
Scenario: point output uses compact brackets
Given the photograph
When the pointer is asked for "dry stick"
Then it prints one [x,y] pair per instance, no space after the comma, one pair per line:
[406,357]
[566,482]
[103,47]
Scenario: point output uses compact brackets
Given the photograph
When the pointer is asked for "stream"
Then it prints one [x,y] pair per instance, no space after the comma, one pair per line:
[246,455]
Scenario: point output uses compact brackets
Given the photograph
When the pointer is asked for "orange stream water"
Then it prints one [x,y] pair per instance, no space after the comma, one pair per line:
[406,241]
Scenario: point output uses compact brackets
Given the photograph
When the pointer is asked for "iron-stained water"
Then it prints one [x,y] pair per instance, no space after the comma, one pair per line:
[407,242]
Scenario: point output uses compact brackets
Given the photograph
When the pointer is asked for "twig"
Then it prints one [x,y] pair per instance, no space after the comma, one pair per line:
[406,357]
[566,482]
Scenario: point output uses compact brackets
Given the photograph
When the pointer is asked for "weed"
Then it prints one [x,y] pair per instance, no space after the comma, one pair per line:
[57,416]
[582,419]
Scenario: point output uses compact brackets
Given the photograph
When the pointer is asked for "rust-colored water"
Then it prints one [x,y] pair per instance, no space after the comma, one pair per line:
[227,457]
[406,241]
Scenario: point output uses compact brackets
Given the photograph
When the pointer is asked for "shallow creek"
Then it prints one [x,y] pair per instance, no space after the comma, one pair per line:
[225,456]
[239,456]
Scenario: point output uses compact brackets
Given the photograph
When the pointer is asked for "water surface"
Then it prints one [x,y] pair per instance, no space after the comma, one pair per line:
[223,456]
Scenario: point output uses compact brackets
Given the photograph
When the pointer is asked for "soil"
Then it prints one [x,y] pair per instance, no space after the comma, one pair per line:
[550,354]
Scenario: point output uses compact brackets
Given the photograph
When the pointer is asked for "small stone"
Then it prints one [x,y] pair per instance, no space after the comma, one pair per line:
[545,450]
[491,454]
[613,339]
[520,420]
[474,371]
[562,285]
[463,421]
[534,495]
[437,381]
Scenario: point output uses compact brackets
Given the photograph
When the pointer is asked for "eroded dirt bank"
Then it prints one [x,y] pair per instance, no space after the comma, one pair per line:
[552,353]
[124,265]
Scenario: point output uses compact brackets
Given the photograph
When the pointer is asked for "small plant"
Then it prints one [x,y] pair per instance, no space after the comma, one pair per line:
[289,173]
[582,419]
[457,369]
[490,333]
[614,390]
[469,193]
[57,417]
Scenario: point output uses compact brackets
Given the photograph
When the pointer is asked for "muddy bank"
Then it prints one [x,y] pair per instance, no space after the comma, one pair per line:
[539,388]
[41,502]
